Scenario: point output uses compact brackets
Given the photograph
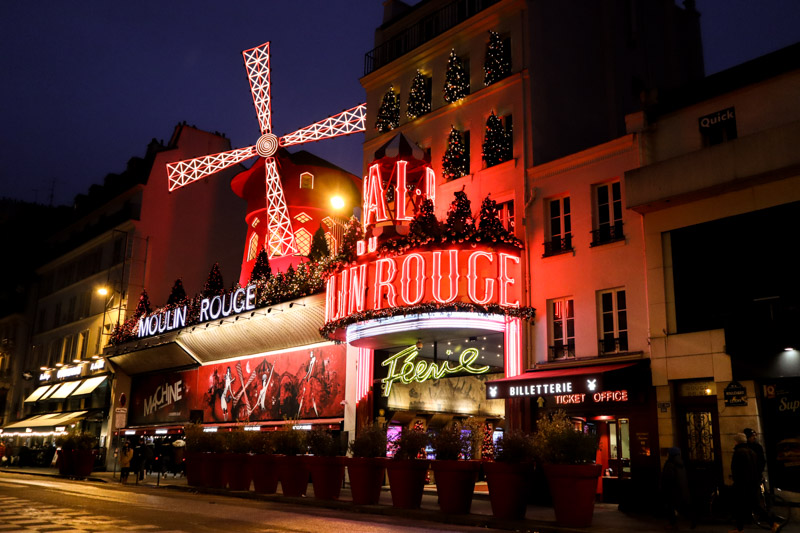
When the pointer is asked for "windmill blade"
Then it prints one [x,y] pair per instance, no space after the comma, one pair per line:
[189,170]
[345,123]
[279,226]
[256,61]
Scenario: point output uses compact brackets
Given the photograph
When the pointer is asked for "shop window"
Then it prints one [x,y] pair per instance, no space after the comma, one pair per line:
[608,214]
[613,321]
[562,328]
[252,247]
[306,180]
[619,448]
[559,237]
[718,127]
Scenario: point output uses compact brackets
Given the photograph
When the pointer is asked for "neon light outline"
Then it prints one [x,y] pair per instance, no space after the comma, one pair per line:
[421,370]
[472,277]
[391,294]
[401,197]
[358,289]
[503,281]
[374,197]
[436,276]
[405,279]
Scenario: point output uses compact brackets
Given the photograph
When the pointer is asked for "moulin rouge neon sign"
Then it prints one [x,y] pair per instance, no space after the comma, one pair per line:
[404,367]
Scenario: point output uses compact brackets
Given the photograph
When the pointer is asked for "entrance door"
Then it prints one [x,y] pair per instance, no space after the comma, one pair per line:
[698,425]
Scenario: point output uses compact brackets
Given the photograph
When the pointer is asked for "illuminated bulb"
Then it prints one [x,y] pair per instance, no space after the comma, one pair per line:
[43,368]
[102,291]
[337,202]
[59,364]
[788,349]
[76,360]
[708,391]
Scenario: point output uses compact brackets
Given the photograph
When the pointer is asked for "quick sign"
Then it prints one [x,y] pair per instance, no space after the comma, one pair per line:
[563,390]
[406,368]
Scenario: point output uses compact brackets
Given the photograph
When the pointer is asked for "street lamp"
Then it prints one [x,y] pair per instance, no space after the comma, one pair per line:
[337,202]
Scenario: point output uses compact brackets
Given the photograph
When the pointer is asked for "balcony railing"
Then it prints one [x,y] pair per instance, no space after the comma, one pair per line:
[607,233]
[423,31]
[612,345]
[562,351]
[558,245]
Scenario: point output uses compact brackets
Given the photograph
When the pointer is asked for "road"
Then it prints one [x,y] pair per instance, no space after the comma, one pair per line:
[36,504]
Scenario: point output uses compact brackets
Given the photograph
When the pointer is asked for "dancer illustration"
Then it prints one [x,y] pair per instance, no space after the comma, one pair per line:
[227,392]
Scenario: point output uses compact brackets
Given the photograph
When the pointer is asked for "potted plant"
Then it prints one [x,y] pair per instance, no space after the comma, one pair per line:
[83,454]
[455,476]
[367,465]
[195,460]
[568,456]
[290,445]
[262,463]
[406,472]
[66,461]
[236,460]
[216,445]
[508,476]
[325,465]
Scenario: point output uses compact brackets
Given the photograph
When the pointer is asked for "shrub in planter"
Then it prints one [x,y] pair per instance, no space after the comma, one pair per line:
[66,459]
[215,476]
[455,479]
[236,460]
[325,465]
[509,474]
[195,447]
[262,463]
[84,454]
[568,456]
[367,465]
[406,472]
[292,469]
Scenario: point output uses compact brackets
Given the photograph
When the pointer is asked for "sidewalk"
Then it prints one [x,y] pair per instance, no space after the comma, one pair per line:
[538,519]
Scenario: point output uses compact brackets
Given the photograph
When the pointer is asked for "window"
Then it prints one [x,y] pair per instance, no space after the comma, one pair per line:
[252,247]
[302,238]
[306,180]
[118,254]
[57,317]
[82,344]
[718,127]
[559,240]
[613,321]
[562,328]
[332,246]
[71,308]
[506,214]
[302,218]
[608,214]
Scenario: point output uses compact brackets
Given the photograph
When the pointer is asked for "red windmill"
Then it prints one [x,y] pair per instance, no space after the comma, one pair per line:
[281,237]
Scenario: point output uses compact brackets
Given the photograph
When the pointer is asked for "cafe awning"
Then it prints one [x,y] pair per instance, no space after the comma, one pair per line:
[48,420]
[59,391]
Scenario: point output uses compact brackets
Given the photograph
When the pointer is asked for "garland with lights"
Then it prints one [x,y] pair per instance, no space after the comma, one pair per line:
[456,83]
[419,97]
[389,112]
[497,142]
[454,161]
[497,65]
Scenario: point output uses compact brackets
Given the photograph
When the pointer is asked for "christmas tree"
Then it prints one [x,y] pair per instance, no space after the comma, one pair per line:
[487,448]
[497,145]
[261,270]
[352,234]
[454,162]
[214,285]
[490,228]
[319,247]
[178,295]
[497,65]
[419,97]
[425,227]
[143,307]
[389,112]
[456,83]
[459,226]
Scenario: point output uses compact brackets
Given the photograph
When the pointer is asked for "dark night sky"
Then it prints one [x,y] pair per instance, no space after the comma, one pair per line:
[85,85]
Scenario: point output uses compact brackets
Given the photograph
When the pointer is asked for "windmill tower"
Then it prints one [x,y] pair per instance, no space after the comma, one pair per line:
[281,241]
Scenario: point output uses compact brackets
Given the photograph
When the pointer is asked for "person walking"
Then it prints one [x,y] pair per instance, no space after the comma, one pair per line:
[675,488]
[125,457]
[746,484]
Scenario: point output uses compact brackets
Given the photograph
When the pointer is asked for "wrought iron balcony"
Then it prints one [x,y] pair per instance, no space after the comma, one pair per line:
[558,245]
[423,31]
[607,233]
[562,351]
[610,345]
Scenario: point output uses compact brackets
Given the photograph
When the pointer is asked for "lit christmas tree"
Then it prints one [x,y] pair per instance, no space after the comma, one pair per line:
[352,234]
[497,65]
[490,228]
[419,97]
[261,270]
[389,112]
[214,285]
[487,448]
[497,145]
[456,83]
[178,295]
[319,247]
[143,307]
[460,225]
[454,161]
[425,227]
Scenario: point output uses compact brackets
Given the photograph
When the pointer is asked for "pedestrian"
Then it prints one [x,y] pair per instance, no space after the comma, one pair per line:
[675,488]
[125,457]
[753,444]
[746,484]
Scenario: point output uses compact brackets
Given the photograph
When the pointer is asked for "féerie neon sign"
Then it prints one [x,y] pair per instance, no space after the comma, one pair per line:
[412,370]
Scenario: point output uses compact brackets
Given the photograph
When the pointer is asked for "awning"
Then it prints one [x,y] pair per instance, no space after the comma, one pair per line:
[65,389]
[39,392]
[89,385]
[545,383]
[47,420]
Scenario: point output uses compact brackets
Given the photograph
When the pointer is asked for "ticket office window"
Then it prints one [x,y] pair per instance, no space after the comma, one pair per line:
[619,447]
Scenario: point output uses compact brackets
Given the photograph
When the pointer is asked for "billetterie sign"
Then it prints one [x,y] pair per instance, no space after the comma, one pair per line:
[404,367]
[212,308]
[471,274]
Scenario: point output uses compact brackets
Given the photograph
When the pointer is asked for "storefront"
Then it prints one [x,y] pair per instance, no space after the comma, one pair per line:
[615,401]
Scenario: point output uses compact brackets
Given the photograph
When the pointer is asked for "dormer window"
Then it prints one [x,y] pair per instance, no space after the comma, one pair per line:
[306,180]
